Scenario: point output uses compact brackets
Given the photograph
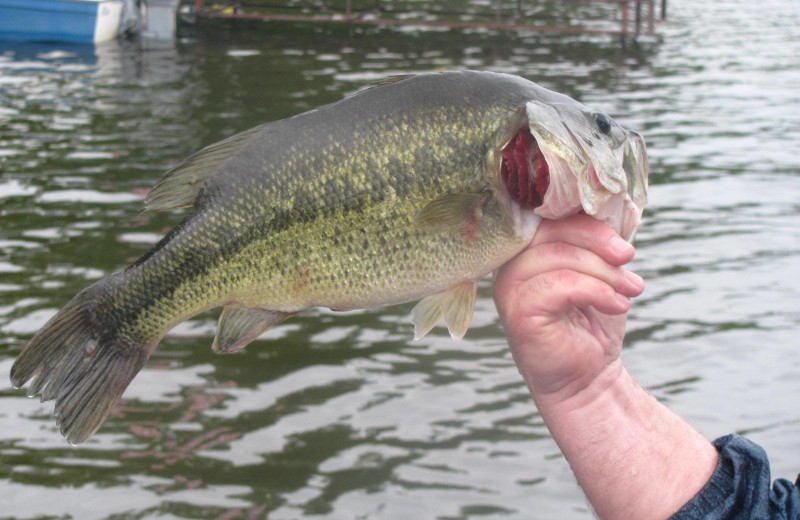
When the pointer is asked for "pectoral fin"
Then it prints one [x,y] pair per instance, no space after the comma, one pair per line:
[453,212]
[239,326]
[456,305]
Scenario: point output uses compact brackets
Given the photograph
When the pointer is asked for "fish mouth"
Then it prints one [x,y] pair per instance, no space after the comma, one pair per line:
[557,166]
[524,170]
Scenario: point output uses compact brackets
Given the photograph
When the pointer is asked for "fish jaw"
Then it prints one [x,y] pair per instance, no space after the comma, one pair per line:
[604,175]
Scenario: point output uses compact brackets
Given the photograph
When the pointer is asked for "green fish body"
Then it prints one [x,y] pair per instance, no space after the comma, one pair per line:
[413,189]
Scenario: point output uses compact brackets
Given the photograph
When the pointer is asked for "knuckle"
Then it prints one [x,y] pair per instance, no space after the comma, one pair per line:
[565,277]
[594,224]
[532,287]
[596,230]
[523,299]
[561,250]
[617,278]
[534,290]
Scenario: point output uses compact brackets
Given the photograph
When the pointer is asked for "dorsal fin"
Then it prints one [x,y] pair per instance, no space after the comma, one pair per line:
[388,80]
[178,188]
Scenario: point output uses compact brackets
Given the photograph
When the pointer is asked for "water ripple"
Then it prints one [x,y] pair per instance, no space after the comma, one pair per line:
[339,414]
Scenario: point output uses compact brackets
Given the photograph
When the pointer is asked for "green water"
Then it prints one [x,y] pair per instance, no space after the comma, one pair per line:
[341,415]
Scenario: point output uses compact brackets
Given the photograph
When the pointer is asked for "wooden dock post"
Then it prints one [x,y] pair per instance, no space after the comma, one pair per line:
[623,30]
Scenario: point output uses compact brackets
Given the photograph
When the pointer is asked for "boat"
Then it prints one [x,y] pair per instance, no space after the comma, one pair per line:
[78,21]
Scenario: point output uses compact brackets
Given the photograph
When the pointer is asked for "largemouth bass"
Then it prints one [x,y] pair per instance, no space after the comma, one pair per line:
[413,189]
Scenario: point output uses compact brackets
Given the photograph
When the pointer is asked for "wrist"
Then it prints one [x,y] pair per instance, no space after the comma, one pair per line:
[582,391]
[633,457]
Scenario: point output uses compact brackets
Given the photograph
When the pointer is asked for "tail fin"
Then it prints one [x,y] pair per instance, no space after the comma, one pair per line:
[74,362]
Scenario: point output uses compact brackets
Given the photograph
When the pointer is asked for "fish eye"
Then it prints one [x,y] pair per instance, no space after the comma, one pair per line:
[603,123]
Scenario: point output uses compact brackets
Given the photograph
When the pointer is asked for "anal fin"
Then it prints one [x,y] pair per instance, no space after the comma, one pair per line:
[238,326]
[456,305]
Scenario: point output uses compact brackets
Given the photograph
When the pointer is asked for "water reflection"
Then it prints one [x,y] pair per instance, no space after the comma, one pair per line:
[339,414]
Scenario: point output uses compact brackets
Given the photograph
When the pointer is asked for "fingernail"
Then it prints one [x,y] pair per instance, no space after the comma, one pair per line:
[619,245]
[623,301]
[634,280]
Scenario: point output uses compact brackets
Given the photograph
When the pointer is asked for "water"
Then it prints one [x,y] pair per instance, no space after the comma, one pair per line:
[341,415]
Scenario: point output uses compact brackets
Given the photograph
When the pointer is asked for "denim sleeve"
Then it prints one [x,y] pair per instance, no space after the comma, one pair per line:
[740,487]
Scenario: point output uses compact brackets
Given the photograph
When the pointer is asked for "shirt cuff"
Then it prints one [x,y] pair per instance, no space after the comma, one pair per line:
[740,487]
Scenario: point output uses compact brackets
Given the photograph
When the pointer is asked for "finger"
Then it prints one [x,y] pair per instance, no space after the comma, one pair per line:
[588,233]
[556,292]
[557,256]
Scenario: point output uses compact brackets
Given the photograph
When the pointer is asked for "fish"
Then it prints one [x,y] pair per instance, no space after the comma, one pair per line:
[411,189]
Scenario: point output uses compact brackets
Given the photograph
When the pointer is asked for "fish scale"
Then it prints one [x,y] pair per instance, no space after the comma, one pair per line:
[391,195]
[341,190]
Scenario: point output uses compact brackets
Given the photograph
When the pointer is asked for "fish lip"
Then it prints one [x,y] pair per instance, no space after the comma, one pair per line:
[609,181]
[623,210]
[636,166]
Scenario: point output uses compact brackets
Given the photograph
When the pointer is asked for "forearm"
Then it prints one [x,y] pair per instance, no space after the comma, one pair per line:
[563,302]
[632,456]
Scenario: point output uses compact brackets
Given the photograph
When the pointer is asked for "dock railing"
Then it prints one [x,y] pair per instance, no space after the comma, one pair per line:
[375,16]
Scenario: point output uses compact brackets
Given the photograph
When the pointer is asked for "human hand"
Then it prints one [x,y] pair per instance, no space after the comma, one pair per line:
[564,302]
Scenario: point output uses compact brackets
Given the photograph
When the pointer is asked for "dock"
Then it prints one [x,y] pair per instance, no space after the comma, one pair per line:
[635,16]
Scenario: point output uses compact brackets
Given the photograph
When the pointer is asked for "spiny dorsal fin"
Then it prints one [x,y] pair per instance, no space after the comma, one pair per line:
[178,188]
[453,212]
[380,83]
[388,80]
[239,326]
[456,305]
